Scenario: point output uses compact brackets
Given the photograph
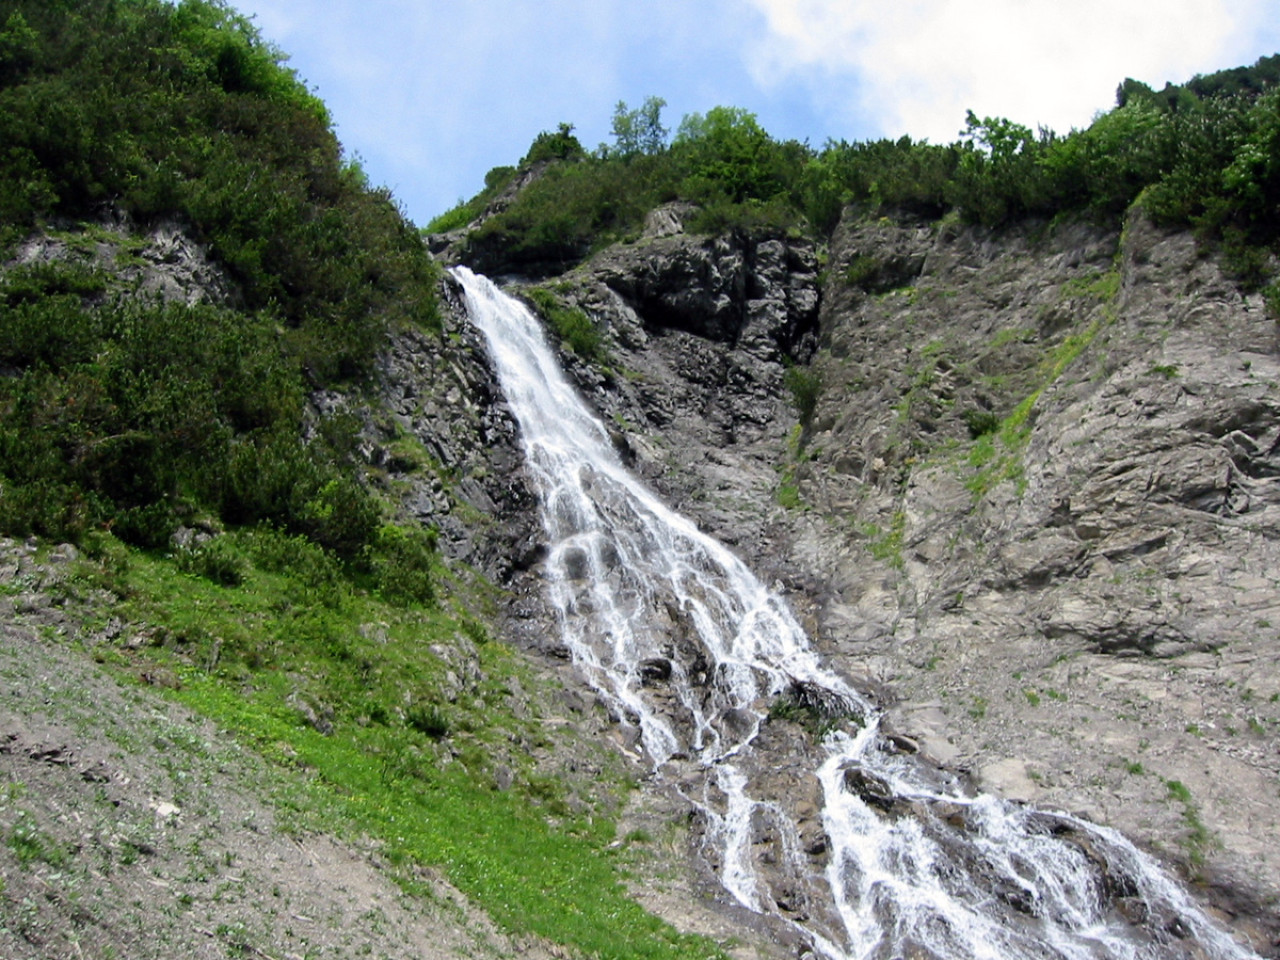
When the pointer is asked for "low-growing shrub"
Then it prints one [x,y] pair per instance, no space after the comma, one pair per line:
[981,423]
[429,720]
[813,707]
[402,564]
[571,325]
[218,559]
[309,566]
[1271,297]
[805,385]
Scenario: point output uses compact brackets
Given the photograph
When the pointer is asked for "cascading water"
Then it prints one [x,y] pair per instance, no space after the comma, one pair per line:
[686,645]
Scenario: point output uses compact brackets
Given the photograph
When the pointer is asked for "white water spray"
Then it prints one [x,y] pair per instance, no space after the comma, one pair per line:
[682,641]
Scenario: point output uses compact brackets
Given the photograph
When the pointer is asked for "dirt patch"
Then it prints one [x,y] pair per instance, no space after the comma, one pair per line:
[131,828]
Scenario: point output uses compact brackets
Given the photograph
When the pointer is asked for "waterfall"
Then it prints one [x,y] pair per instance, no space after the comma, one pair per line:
[685,645]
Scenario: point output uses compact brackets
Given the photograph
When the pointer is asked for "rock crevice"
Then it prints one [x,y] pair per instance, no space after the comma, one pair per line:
[1034,504]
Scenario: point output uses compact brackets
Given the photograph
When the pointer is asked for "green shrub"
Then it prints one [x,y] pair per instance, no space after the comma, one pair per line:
[898,175]
[278,480]
[776,217]
[805,385]
[561,145]
[429,720]
[571,209]
[310,568]
[148,525]
[129,415]
[728,154]
[818,711]
[740,178]
[862,271]
[788,495]
[340,516]
[47,319]
[218,560]
[182,111]
[1271,297]
[45,507]
[981,423]
[571,325]
[455,218]
[402,564]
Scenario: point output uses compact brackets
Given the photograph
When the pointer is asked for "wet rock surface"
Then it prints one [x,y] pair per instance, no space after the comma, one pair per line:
[1034,509]
[701,332]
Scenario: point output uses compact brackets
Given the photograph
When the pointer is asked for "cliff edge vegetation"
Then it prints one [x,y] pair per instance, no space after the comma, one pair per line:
[1203,155]
[283,681]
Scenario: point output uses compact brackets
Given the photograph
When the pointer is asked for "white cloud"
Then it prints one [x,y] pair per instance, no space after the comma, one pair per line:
[432,93]
[916,66]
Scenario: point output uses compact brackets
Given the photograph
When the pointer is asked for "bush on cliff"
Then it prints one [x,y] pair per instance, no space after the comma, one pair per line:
[1204,155]
[131,415]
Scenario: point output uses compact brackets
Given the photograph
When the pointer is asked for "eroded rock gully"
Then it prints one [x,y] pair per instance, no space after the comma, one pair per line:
[1034,509]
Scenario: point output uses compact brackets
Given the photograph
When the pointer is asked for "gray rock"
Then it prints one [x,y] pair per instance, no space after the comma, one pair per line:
[1078,605]
[1045,588]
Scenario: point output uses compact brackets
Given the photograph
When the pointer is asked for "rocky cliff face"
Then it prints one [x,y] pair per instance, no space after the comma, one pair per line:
[438,393]
[1034,507]
[1077,608]
[1020,486]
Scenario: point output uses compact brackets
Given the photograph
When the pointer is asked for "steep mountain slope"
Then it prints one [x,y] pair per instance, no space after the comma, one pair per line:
[1016,475]
[1084,593]
[1031,503]
[247,466]
[136,827]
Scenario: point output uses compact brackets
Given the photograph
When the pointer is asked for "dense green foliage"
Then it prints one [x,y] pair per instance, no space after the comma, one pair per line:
[805,386]
[638,131]
[574,328]
[726,155]
[117,411]
[561,145]
[724,162]
[1204,155]
[129,413]
[181,111]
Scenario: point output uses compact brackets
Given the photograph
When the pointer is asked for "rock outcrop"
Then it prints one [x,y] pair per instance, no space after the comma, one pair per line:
[1078,605]
[1033,509]
[702,332]
[449,446]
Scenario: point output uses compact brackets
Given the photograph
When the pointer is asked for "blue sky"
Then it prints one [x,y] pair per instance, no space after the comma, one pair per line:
[431,94]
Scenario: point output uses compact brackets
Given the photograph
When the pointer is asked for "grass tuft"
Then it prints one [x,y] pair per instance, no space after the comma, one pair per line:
[537,859]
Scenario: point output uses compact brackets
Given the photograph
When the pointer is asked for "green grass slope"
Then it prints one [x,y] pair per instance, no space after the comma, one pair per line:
[329,637]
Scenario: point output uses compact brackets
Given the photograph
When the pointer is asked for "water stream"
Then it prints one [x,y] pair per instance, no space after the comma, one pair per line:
[867,852]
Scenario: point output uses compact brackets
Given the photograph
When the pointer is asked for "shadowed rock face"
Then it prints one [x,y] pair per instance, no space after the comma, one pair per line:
[439,391]
[1037,498]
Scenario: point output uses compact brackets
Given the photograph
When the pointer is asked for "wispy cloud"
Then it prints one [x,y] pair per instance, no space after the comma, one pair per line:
[916,66]
[432,93]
